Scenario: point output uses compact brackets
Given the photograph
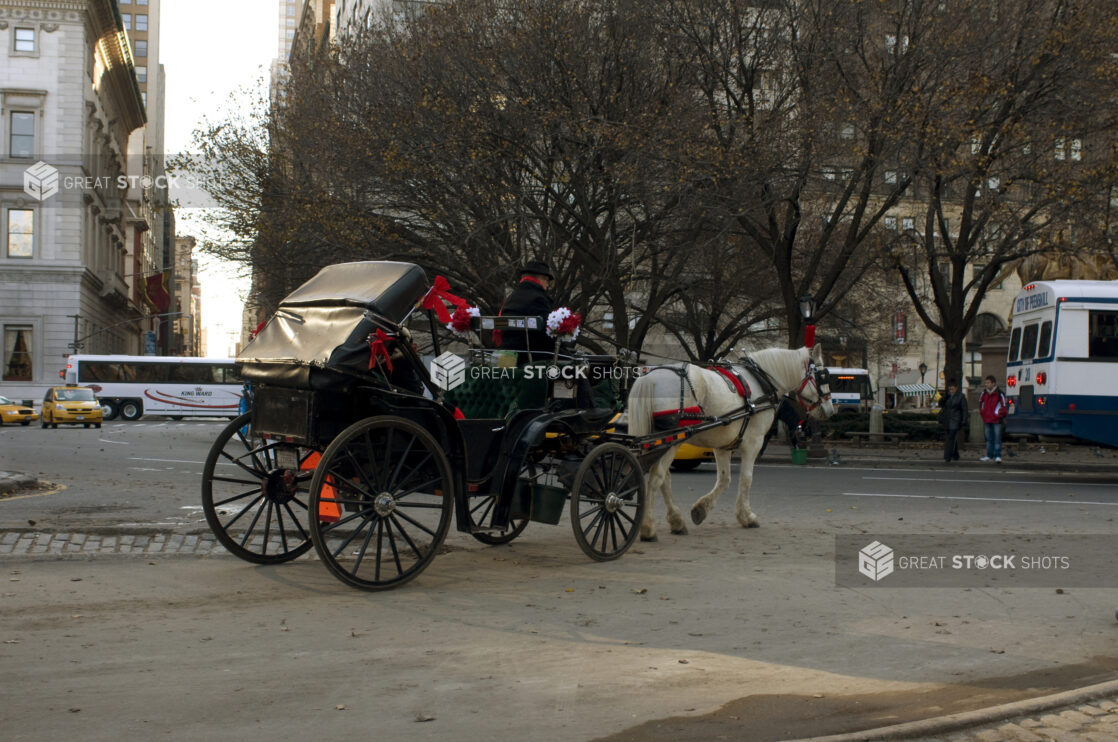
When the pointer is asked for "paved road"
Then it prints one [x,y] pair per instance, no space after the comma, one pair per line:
[724,632]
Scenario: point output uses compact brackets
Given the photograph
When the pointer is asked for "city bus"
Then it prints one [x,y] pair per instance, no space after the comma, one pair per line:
[133,386]
[1063,360]
[850,389]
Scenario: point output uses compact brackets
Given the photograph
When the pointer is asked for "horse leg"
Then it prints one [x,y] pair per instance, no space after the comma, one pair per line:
[655,481]
[705,504]
[675,517]
[749,449]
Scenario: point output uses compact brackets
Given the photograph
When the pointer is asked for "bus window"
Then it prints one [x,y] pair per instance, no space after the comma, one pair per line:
[98,371]
[231,375]
[1028,342]
[144,372]
[1042,348]
[1014,343]
[1104,335]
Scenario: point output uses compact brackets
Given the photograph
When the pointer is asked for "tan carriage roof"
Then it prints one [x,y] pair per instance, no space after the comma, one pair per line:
[388,288]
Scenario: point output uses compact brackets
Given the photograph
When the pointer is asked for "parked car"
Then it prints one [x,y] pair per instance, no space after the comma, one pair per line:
[71,404]
[16,412]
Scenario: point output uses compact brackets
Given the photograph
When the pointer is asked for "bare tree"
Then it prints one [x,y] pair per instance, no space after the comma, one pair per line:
[1021,95]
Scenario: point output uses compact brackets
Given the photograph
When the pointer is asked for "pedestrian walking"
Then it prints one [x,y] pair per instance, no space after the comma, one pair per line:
[953,418]
[993,406]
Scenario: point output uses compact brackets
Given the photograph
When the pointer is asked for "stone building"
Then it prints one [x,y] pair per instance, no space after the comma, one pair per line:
[69,102]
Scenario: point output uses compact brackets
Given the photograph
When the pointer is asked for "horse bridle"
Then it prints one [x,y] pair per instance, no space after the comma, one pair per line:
[816,377]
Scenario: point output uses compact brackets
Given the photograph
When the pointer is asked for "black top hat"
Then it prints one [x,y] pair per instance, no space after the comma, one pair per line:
[537,268]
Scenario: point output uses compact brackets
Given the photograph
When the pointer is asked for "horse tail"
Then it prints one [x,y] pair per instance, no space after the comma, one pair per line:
[639,408]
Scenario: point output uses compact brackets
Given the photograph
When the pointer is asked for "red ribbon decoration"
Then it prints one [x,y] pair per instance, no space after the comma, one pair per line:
[437,297]
[377,347]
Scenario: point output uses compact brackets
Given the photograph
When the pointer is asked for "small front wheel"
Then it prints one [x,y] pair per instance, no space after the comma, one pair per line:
[381,502]
[130,409]
[607,501]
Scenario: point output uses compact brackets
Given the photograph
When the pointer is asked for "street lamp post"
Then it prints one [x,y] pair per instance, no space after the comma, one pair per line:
[923,368]
[807,311]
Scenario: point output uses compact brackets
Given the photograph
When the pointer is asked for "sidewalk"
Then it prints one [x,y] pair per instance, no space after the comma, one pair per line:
[1055,458]
[1089,714]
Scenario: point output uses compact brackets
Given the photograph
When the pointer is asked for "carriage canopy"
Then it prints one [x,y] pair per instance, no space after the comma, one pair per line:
[325,323]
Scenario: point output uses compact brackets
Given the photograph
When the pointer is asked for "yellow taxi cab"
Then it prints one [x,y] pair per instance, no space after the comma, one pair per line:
[14,412]
[689,457]
[71,404]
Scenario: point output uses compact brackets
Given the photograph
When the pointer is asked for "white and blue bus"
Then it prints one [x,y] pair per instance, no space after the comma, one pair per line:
[133,386]
[850,389]
[1063,361]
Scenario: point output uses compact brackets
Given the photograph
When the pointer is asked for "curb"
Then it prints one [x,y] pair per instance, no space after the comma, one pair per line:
[981,717]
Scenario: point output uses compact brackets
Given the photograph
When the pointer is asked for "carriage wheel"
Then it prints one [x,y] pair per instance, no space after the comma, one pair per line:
[607,501]
[481,514]
[255,506]
[383,498]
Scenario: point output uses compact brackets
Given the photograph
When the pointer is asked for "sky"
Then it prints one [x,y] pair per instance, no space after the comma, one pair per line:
[210,49]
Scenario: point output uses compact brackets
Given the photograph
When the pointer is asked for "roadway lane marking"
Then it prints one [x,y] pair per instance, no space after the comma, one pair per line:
[164,461]
[122,443]
[986,499]
[994,481]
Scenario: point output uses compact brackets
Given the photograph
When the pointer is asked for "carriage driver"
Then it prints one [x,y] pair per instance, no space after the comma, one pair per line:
[530,299]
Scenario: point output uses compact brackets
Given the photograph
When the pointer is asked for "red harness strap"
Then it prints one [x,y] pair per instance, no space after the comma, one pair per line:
[740,386]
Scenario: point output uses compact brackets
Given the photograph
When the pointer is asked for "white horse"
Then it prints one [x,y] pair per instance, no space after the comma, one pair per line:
[665,390]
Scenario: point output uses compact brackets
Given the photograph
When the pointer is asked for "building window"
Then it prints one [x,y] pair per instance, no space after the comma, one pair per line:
[908,224]
[144,98]
[891,177]
[141,22]
[127,21]
[24,40]
[847,131]
[141,2]
[141,48]
[17,353]
[20,235]
[141,74]
[890,223]
[21,142]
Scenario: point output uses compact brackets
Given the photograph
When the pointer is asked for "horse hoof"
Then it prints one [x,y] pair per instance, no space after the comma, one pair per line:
[681,531]
[752,524]
[649,538]
[698,515]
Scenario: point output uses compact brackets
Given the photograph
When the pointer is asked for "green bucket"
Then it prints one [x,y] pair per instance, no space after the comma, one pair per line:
[547,503]
[799,455]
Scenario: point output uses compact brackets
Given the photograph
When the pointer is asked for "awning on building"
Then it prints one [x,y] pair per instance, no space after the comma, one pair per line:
[913,390]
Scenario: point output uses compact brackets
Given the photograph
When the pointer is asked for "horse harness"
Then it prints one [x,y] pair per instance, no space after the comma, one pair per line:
[734,378]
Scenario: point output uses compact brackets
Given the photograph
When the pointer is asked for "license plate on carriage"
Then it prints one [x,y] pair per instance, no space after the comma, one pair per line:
[287,457]
[563,389]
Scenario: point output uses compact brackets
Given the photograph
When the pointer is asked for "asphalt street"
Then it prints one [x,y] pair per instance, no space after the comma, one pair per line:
[138,625]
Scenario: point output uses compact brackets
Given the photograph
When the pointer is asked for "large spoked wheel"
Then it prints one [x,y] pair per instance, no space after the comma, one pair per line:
[481,516]
[381,499]
[255,495]
[607,501]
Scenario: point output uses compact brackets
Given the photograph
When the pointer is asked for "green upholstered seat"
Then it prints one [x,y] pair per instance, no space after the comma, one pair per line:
[493,397]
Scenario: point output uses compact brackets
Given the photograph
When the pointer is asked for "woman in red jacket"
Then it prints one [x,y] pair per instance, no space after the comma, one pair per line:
[992,405]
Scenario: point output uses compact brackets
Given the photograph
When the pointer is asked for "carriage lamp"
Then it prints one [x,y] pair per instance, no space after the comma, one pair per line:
[923,369]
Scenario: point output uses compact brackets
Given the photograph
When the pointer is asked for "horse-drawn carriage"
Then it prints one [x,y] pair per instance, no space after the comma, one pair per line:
[352,447]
